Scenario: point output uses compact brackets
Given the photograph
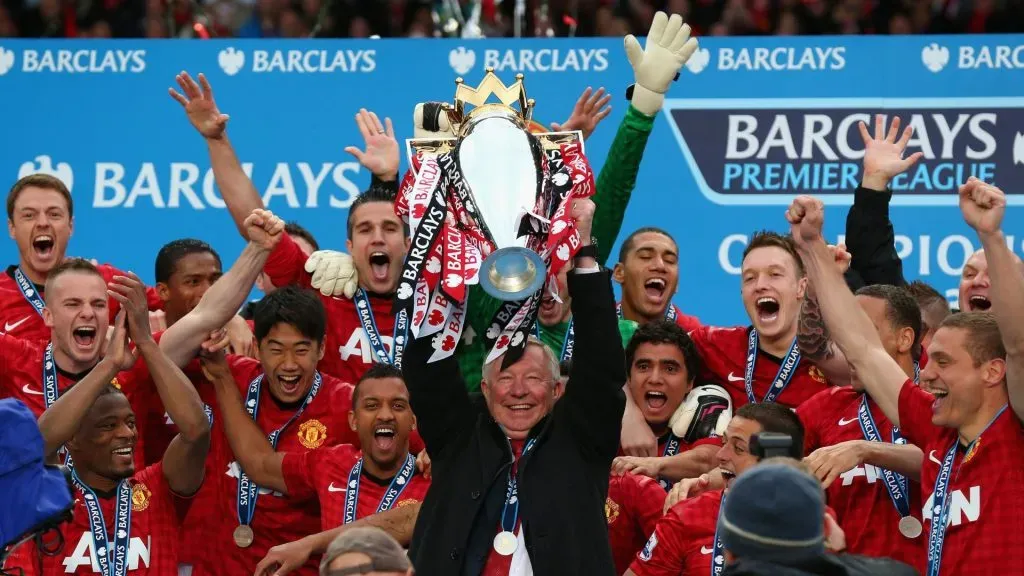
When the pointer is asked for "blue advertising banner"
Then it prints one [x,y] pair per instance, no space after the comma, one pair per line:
[750,123]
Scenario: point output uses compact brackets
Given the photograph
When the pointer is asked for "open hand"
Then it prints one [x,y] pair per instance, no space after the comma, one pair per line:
[883,154]
[381,156]
[830,462]
[130,293]
[119,352]
[199,105]
[666,50]
[590,109]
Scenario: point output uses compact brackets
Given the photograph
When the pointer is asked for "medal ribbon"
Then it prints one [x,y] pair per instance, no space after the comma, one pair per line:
[399,334]
[670,313]
[395,489]
[671,449]
[248,491]
[717,548]
[112,561]
[28,291]
[897,484]
[940,500]
[50,392]
[782,378]
[510,513]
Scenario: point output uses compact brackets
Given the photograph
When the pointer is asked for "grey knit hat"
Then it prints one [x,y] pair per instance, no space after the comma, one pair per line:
[774,513]
[386,554]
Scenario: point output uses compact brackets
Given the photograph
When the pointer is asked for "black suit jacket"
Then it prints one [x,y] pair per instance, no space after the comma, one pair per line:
[563,481]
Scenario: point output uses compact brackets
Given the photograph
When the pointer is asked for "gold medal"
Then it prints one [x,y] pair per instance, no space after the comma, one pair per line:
[910,527]
[505,543]
[243,536]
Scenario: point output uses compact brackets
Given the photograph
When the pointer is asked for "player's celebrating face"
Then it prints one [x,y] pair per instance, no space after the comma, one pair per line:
[376,240]
[103,448]
[185,270]
[382,417]
[660,372]
[966,364]
[289,327]
[974,284]
[773,285]
[734,457]
[39,218]
[519,396]
[76,313]
[648,270]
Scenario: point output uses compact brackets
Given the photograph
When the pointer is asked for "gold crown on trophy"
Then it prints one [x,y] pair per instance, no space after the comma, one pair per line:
[478,97]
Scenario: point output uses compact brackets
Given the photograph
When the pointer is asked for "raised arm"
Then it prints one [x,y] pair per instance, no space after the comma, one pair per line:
[869,233]
[813,336]
[594,401]
[438,396]
[59,422]
[257,458]
[181,341]
[185,457]
[237,189]
[983,207]
[850,327]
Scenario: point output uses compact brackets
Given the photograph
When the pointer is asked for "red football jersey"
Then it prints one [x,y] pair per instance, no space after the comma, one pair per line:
[153,538]
[724,355]
[632,509]
[985,527]
[683,445]
[683,541]
[859,496]
[19,318]
[324,474]
[348,351]
[208,543]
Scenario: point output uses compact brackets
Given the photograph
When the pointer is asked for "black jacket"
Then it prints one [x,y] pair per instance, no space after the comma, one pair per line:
[563,480]
[827,565]
[871,241]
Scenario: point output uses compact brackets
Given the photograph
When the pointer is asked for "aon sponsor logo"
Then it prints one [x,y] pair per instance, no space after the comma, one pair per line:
[85,554]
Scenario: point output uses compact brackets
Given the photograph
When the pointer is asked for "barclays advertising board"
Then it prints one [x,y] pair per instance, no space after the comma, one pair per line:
[750,123]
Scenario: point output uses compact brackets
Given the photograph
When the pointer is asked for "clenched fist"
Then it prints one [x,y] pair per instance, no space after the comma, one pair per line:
[264,229]
[982,205]
[806,216]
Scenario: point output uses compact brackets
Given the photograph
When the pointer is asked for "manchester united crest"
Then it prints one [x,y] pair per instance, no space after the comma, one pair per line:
[140,497]
[972,451]
[115,383]
[611,510]
[817,375]
[312,433]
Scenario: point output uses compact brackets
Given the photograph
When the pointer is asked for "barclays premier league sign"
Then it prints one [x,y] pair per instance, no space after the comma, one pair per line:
[750,123]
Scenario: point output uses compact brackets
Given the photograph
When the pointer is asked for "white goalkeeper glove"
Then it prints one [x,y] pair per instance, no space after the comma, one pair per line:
[334,273]
[666,50]
[429,120]
[705,413]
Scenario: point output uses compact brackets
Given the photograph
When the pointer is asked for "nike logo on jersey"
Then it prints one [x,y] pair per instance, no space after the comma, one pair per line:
[28,390]
[733,378]
[931,456]
[845,421]
[705,550]
[331,488]
[8,326]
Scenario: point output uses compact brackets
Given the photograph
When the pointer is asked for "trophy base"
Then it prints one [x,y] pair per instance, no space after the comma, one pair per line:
[512,273]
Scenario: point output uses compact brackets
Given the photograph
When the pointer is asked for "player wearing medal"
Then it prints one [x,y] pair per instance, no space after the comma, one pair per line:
[648,270]
[662,363]
[125,520]
[868,470]
[76,314]
[40,218]
[361,329]
[348,483]
[973,470]
[684,541]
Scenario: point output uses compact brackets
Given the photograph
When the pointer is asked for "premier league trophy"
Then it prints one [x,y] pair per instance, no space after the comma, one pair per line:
[488,203]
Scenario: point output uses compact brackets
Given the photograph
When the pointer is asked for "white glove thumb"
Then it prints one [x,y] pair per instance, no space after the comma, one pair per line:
[634,52]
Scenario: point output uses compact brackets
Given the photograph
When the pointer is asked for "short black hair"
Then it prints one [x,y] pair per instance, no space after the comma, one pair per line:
[769,238]
[292,305]
[627,244]
[377,371]
[168,257]
[665,332]
[901,310]
[296,230]
[777,419]
[375,193]
[934,306]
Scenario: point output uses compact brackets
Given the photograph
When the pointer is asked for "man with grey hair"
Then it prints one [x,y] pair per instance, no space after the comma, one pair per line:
[365,551]
[521,476]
